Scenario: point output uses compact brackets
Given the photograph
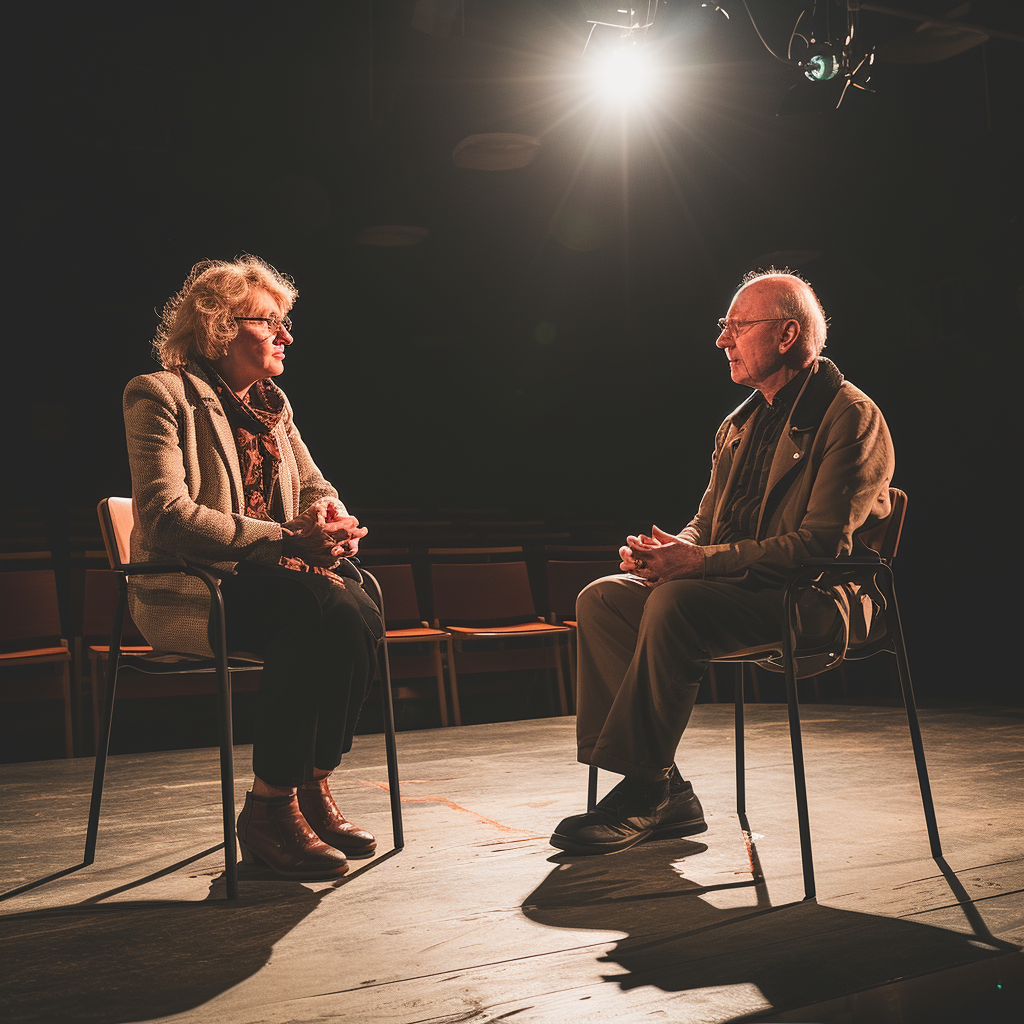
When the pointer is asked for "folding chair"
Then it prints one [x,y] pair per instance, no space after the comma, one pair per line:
[797,659]
[116,520]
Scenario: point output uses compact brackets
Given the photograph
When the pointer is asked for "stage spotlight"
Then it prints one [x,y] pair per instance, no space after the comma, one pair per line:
[623,74]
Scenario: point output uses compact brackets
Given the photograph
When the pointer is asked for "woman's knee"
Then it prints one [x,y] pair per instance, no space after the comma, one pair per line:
[346,620]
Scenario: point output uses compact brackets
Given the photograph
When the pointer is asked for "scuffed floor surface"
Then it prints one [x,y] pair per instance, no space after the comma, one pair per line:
[478,920]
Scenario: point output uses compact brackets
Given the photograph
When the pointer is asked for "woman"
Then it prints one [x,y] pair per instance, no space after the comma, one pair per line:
[220,476]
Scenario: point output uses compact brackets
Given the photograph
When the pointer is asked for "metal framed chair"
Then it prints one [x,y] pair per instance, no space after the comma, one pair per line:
[116,518]
[871,575]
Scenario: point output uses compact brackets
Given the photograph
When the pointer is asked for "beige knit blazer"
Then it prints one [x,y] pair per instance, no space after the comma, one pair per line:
[187,486]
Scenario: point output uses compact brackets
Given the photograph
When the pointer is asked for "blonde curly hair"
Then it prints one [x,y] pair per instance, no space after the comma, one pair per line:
[198,320]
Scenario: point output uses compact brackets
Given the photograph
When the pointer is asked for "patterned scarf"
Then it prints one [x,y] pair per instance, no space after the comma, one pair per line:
[259,455]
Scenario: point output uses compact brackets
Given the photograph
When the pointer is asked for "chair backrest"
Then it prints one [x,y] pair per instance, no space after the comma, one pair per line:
[488,594]
[477,553]
[883,535]
[117,517]
[398,587]
[29,613]
[567,579]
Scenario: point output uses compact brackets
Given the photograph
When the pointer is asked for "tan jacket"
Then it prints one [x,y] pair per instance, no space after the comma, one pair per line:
[830,473]
[187,486]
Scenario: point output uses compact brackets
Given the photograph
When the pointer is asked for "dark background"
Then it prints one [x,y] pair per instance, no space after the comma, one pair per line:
[549,347]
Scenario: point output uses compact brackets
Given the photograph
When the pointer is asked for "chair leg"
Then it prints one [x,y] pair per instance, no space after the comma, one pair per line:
[391,747]
[572,670]
[69,742]
[103,740]
[799,780]
[592,788]
[903,668]
[453,682]
[563,699]
[227,765]
[741,767]
[442,697]
[390,743]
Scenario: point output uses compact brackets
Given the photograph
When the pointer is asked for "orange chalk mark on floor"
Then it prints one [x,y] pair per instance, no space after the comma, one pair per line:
[447,803]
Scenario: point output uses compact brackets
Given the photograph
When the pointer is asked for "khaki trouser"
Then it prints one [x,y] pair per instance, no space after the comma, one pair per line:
[643,651]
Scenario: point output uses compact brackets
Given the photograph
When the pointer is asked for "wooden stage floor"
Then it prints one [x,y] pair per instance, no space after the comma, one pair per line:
[478,920]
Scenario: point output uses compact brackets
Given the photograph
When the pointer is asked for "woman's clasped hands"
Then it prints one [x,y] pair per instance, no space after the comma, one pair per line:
[322,535]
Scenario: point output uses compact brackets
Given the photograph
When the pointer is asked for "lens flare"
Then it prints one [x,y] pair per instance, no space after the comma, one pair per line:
[623,74]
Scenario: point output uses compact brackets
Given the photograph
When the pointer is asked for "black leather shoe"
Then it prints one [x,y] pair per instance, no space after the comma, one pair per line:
[631,813]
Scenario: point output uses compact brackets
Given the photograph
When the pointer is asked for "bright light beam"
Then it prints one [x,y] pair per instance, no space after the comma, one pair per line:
[623,74]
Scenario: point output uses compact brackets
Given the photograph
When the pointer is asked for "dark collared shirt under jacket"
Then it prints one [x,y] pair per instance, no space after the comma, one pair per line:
[744,505]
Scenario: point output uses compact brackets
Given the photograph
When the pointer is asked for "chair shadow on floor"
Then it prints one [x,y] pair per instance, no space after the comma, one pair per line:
[138,960]
[797,954]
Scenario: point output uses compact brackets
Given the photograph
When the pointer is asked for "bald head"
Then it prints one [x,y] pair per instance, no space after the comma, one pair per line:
[793,298]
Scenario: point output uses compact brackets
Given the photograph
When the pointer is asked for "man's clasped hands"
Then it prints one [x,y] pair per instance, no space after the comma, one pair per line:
[661,557]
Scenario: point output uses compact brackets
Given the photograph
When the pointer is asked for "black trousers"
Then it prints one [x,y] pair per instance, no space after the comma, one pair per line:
[319,643]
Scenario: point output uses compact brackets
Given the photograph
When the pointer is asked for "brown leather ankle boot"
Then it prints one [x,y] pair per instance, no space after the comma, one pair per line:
[272,832]
[321,812]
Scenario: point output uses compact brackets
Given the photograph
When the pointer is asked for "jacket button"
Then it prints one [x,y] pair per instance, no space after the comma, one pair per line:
[796,455]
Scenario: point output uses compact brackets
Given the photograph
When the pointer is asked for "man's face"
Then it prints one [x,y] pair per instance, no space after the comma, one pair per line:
[753,349]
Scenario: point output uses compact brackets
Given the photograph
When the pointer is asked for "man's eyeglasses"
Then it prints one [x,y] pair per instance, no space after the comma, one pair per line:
[274,322]
[731,327]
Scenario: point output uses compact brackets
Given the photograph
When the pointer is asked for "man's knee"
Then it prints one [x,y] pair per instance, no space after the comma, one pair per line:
[591,598]
[674,601]
[619,597]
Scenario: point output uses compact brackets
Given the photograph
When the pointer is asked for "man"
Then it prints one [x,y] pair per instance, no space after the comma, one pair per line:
[797,469]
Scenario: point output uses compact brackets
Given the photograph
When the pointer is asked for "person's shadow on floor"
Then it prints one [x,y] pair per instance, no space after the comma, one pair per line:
[796,954]
[140,960]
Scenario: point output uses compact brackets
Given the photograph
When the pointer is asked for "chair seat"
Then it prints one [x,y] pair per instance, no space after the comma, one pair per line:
[104,649]
[812,656]
[517,629]
[170,663]
[58,653]
[416,633]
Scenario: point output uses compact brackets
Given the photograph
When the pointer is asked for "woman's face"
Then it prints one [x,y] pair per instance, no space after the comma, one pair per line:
[257,351]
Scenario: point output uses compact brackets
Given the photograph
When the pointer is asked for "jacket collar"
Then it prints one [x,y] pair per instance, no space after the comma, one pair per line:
[211,404]
[815,397]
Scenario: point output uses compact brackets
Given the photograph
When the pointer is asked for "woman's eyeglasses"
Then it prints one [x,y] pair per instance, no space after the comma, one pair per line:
[274,322]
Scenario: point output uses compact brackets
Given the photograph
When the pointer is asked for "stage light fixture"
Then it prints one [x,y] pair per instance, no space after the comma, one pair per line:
[832,48]
[822,67]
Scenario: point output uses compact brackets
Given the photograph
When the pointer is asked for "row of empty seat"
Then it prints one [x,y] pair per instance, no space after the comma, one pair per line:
[480,618]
